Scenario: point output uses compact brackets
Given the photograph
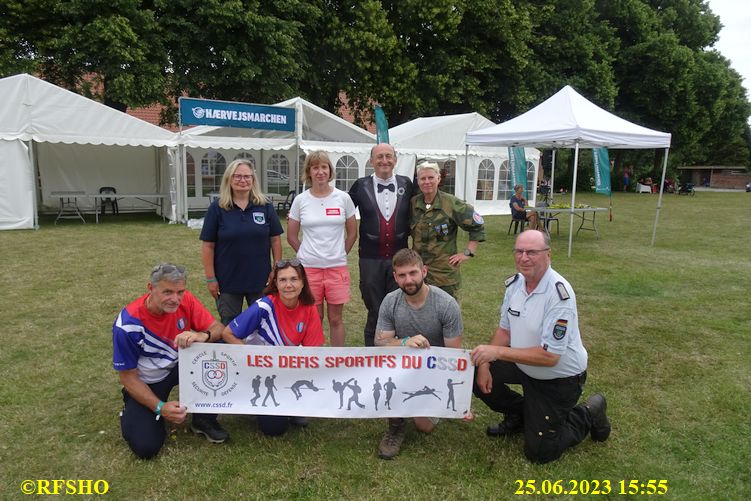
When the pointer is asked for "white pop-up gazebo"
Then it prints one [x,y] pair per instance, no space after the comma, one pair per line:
[568,120]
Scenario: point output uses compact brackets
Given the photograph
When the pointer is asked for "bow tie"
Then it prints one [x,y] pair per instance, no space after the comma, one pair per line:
[389,187]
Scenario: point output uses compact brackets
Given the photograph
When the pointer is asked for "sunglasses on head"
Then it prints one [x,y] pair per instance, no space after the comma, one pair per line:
[283,263]
[167,268]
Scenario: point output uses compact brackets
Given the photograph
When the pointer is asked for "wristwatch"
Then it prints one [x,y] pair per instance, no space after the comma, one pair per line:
[469,253]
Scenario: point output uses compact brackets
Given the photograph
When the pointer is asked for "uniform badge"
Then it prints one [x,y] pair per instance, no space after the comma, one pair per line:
[510,280]
[559,330]
[513,312]
[259,218]
[562,292]
[477,218]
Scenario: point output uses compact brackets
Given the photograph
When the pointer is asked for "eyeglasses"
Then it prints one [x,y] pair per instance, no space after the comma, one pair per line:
[529,252]
[283,263]
[242,177]
[167,269]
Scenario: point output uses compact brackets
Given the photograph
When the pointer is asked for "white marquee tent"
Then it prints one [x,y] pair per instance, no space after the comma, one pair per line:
[480,177]
[52,139]
[568,120]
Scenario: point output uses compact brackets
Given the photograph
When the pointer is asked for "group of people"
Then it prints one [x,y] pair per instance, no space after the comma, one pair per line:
[409,293]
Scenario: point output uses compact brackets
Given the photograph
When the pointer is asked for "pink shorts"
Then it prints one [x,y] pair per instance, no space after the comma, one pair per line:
[331,284]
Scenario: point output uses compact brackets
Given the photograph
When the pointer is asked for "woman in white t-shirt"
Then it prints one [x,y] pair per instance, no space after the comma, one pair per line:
[327,218]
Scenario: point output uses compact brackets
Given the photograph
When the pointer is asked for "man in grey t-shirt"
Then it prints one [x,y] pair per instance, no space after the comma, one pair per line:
[419,316]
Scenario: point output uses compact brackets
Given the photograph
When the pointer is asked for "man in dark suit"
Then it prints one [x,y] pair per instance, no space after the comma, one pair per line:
[383,200]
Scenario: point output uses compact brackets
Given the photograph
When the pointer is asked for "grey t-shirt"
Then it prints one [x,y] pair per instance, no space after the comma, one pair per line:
[438,318]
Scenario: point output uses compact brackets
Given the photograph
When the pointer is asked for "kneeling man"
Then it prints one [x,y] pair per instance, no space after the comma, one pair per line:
[538,346]
[419,316]
[146,336]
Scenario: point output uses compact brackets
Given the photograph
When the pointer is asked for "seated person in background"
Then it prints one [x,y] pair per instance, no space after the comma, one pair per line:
[518,206]
[145,337]
[286,316]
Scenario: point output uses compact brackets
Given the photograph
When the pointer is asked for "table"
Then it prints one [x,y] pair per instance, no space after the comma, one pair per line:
[69,202]
[586,216]
[69,205]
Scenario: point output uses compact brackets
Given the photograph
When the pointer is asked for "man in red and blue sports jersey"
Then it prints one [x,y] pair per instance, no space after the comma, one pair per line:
[146,336]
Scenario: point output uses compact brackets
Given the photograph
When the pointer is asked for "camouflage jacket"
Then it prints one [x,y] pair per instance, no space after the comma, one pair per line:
[434,234]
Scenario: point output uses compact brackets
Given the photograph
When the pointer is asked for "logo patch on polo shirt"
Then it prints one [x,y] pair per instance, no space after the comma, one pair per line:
[181,323]
[559,330]
[259,218]
[300,326]
[334,211]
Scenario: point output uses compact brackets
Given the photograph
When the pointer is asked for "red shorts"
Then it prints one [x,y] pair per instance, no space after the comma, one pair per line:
[331,284]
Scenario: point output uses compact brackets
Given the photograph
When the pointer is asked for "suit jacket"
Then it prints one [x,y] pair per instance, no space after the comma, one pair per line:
[363,195]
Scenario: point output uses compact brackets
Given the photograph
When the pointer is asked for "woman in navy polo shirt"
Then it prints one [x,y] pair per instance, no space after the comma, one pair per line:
[240,232]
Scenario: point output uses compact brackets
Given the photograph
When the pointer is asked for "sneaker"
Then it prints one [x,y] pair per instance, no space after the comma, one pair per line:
[210,428]
[392,440]
[596,405]
[299,421]
[511,425]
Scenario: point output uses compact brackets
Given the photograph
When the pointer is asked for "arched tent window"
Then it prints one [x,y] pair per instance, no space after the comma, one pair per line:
[213,165]
[369,169]
[485,175]
[347,169]
[247,156]
[279,163]
[505,190]
[277,174]
[530,178]
[448,176]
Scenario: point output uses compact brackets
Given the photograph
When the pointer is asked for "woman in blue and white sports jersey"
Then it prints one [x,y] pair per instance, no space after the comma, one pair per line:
[285,316]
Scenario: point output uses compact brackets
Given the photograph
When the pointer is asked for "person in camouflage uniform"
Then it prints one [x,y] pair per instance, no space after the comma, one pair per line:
[436,216]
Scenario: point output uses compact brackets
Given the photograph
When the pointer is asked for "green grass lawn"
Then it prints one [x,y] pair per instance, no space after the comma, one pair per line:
[667,327]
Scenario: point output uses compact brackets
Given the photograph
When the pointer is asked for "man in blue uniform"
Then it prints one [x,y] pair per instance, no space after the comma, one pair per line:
[146,336]
[538,345]
[383,200]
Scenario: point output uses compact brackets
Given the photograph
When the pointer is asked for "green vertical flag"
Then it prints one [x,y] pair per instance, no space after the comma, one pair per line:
[602,170]
[382,125]
[517,163]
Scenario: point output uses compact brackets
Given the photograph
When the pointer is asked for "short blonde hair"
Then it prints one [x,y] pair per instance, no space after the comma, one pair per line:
[315,157]
[428,165]
[225,190]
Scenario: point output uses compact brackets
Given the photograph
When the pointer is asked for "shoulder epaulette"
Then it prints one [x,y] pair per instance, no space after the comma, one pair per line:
[510,280]
[562,292]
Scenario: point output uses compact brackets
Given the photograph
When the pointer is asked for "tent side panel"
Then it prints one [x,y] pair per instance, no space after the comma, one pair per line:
[16,187]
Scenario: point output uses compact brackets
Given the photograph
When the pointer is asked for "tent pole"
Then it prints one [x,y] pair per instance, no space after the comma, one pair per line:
[552,177]
[573,200]
[466,169]
[659,199]
[181,182]
[33,180]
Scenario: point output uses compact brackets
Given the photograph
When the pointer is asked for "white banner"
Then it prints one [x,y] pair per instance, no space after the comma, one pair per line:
[326,382]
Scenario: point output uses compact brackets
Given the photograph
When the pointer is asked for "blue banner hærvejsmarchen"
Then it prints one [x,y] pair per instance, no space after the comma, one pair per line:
[228,114]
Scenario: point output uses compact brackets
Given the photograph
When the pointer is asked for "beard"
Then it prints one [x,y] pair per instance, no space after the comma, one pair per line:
[413,289]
